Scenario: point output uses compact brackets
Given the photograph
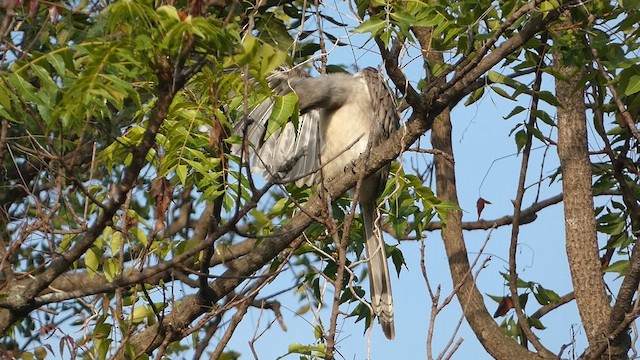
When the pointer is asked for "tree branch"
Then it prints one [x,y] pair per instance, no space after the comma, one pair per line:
[515,229]
[580,224]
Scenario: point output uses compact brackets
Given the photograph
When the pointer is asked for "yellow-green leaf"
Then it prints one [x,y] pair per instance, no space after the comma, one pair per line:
[115,241]
[110,269]
[181,172]
[92,261]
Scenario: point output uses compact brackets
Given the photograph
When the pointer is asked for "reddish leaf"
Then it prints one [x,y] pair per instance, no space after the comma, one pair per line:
[480,205]
[47,328]
[10,4]
[161,192]
[53,14]
[505,305]
[131,222]
[217,134]
[33,8]
[605,260]
[624,119]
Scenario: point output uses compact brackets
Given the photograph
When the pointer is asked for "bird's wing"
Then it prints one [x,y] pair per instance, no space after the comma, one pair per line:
[308,148]
[287,155]
[386,117]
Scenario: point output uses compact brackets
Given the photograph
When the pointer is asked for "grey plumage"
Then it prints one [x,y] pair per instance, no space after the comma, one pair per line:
[341,116]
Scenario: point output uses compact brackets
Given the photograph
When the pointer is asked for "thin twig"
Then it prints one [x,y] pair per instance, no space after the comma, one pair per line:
[517,204]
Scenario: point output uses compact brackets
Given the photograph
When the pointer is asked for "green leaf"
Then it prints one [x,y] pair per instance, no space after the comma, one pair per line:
[141,312]
[311,350]
[536,323]
[5,98]
[633,86]
[229,355]
[58,63]
[307,50]
[496,77]
[500,91]
[397,257]
[475,96]
[545,296]
[43,75]
[92,261]
[496,298]
[516,110]
[547,6]
[521,284]
[541,295]
[115,241]
[169,13]
[139,235]
[621,267]
[272,62]
[386,37]
[249,49]
[404,19]
[279,206]
[544,116]
[24,89]
[549,98]
[282,110]
[521,139]
[631,4]
[181,172]
[373,26]
[536,133]
[110,269]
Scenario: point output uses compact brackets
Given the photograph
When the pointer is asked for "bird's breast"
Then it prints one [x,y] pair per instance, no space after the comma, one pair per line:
[345,134]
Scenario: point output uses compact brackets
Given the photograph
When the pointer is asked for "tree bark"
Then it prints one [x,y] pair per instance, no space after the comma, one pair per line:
[580,224]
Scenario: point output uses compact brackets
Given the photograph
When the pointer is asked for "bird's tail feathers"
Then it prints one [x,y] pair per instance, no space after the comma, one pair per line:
[380,281]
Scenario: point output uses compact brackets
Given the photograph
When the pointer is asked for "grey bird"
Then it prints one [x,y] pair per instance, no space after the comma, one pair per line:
[341,116]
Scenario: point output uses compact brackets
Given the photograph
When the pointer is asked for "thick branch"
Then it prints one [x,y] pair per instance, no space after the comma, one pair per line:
[77,285]
[580,224]
[527,216]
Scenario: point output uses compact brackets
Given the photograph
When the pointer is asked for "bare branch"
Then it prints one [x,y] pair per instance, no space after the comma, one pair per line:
[515,229]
